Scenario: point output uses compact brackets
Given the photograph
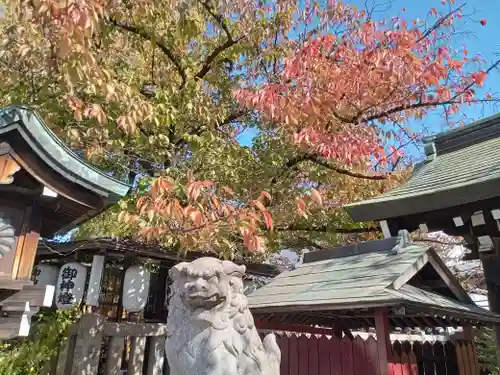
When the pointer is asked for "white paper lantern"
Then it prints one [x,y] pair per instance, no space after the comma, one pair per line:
[135,288]
[70,285]
[45,274]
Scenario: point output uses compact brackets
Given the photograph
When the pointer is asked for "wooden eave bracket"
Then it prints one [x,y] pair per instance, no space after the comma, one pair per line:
[8,167]
[403,240]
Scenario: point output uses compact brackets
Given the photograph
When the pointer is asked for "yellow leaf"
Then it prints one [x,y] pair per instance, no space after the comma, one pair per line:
[151,215]
[316,197]
[65,45]
[78,115]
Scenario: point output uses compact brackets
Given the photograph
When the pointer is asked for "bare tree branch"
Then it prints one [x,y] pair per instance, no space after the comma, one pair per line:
[218,17]
[405,107]
[231,117]
[207,65]
[235,115]
[440,22]
[320,161]
[148,36]
[324,229]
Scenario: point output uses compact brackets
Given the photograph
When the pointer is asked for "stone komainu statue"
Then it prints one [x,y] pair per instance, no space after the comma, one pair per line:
[210,330]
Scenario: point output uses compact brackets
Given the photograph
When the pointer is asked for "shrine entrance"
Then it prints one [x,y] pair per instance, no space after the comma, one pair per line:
[45,189]
[456,189]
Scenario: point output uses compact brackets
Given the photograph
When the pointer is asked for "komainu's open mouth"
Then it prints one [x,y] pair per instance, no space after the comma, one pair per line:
[202,300]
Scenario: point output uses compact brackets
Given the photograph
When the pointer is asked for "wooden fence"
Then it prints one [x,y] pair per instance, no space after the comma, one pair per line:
[321,355]
[97,347]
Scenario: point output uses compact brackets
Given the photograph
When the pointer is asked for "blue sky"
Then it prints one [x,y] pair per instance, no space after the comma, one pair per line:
[481,39]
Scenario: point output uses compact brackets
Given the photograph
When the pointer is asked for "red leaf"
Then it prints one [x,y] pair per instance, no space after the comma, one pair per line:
[479,78]
[269,220]
[301,208]
[483,22]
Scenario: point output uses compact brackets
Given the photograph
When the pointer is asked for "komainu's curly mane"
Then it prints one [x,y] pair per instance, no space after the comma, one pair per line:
[210,329]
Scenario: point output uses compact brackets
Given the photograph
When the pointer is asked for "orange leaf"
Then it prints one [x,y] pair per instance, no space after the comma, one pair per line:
[194,190]
[268,219]
[479,78]
[144,207]
[217,204]
[140,202]
[188,210]
[177,212]
[316,196]
[301,208]
[228,190]
[165,184]
[197,218]
[263,195]
[259,205]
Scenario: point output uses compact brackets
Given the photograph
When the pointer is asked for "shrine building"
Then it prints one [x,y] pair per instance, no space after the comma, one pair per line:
[455,189]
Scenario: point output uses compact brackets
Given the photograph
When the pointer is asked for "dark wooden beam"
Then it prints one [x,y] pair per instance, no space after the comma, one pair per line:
[276,326]
[383,339]
[37,168]
[442,220]
[491,267]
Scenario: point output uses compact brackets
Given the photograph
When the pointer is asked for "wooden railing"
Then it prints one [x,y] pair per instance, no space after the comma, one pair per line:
[328,355]
[100,347]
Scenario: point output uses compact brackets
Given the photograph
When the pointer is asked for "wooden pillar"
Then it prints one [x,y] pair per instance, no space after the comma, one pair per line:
[384,346]
[160,292]
[65,356]
[115,355]
[88,345]
[468,332]
[491,267]
[137,351]
[95,279]
[156,355]
[27,244]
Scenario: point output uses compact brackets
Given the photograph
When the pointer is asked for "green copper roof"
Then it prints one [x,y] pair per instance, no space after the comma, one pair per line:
[462,166]
[57,155]
[359,281]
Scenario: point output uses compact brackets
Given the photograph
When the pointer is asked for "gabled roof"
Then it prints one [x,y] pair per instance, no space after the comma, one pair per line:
[365,279]
[462,166]
[123,246]
[56,154]
[41,160]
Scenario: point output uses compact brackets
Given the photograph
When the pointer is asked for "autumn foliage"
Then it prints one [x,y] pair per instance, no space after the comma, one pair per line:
[205,212]
[336,92]
[157,91]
